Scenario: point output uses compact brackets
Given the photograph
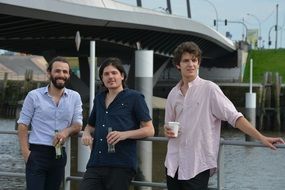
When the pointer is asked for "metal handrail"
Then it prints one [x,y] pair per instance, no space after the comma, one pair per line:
[220,177]
[14,132]
[247,143]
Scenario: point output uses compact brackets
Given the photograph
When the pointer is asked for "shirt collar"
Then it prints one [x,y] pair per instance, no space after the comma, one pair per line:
[194,82]
[65,92]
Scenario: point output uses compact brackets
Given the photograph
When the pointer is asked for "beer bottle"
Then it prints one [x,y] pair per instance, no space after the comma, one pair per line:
[111,147]
[58,148]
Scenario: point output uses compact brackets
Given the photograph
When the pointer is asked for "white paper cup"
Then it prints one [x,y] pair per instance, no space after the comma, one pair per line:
[174,126]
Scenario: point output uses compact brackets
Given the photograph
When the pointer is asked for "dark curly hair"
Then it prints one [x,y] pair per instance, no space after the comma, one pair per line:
[189,47]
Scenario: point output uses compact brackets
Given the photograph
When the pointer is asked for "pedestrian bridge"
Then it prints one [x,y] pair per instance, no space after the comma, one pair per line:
[51,27]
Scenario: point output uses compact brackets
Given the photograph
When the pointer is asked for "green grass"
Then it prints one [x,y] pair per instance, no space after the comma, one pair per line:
[265,61]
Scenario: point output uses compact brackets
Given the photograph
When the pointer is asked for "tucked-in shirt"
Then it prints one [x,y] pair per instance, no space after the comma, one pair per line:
[41,112]
[200,113]
[125,113]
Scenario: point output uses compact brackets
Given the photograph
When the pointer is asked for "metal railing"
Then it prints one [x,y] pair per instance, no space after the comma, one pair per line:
[220,177]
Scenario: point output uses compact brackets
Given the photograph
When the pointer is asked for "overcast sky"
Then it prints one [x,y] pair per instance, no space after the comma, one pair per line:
[256,14]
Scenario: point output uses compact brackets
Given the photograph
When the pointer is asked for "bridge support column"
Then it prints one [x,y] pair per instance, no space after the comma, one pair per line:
[144,84]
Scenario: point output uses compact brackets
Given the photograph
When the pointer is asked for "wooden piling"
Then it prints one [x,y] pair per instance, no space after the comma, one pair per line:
[262,100]
[270,102]
[277,90]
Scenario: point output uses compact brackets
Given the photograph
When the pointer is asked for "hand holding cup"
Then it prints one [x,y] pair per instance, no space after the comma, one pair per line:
[172,128]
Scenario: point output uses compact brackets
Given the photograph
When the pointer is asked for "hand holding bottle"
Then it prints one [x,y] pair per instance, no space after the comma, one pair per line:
[111,147]
[58,146]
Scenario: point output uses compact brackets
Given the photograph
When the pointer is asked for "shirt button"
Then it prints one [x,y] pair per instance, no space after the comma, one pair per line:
[106,111]
[101,139]
[103,125]
[99,152]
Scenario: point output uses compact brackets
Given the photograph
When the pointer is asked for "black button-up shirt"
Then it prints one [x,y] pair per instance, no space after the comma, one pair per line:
[125,113]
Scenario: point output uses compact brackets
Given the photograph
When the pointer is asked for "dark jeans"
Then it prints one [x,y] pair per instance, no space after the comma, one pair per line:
[43,171]
[107,178]
[199,182]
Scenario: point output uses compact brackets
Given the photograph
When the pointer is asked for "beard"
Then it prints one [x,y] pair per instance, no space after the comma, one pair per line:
[59,85]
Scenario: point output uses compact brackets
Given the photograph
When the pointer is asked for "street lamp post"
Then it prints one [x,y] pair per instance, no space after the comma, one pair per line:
[269,34]
[259,24]
[269,39]
[216,12]
[240,22]
[276,27]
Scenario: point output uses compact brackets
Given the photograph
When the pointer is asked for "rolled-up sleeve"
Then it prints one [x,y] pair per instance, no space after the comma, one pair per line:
[27,110]
[77,116]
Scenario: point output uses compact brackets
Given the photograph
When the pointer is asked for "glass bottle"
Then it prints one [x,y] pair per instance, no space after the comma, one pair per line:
[58,148]
[111,147]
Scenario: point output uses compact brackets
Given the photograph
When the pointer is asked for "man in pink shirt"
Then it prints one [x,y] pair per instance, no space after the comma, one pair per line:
[199,106]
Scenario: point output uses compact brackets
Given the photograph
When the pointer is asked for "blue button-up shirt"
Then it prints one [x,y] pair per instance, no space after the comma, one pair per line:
[125,113]
[45,116]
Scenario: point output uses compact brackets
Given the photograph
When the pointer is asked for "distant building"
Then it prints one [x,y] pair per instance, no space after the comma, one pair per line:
[20,66]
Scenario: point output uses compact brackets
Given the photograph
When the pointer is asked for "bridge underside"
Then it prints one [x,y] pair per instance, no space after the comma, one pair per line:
[34,36]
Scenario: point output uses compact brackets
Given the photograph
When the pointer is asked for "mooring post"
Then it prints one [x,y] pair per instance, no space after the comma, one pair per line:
[250,103]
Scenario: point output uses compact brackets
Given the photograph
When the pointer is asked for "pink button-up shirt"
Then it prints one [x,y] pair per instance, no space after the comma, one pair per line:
[200,113]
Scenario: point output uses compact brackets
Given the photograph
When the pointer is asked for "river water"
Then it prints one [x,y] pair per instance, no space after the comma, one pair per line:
[245,168]
[10,157]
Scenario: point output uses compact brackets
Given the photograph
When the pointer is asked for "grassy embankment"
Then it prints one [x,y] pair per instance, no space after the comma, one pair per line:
[263,61]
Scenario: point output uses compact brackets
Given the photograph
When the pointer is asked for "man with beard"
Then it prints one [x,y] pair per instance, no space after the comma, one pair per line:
[54,113]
